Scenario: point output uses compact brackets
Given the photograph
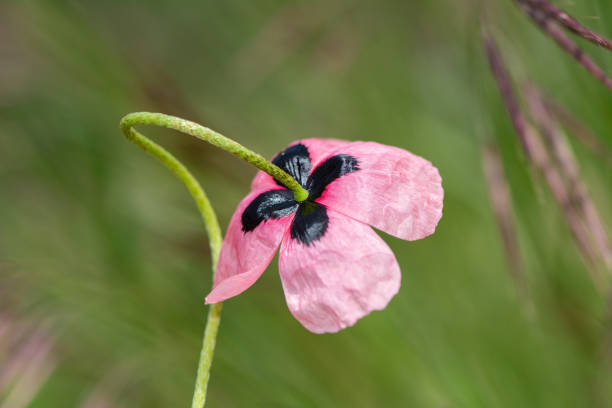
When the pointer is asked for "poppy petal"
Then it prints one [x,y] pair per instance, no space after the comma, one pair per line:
[318,149]
[393,190]
[245,255]
[338,279]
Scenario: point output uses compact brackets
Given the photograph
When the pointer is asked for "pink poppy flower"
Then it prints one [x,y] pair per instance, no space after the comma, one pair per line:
[334,268]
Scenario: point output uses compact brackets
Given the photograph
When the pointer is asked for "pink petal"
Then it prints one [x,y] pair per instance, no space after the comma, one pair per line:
[394,190]
[337,280]
[319,149]
[244,256]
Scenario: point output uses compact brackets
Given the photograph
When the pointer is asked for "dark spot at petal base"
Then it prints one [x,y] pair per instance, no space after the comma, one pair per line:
[295,160]
[310,222]
[271,204]
[328,171]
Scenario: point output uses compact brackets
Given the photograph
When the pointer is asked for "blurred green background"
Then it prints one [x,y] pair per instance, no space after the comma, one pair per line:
[103,255]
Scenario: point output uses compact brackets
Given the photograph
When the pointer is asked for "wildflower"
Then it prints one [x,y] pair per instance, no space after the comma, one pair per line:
[334,268]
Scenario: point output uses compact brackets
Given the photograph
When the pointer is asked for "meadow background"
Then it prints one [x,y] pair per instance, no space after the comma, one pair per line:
[104,263]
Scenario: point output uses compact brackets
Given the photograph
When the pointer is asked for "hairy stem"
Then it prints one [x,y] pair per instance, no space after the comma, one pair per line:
[206,355]
[215,239]
[216,139]
[208,214]
[204,206]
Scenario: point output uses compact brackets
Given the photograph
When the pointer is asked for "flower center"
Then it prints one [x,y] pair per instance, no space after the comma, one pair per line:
[310,221]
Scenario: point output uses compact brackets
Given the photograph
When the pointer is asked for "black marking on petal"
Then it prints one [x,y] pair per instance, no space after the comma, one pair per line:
[310,222]
[295,160]
[271,204]
[328,171]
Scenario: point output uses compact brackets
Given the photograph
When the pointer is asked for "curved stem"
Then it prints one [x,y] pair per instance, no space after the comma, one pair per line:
[216,139]
[204,206]
[215,238]
[197,192]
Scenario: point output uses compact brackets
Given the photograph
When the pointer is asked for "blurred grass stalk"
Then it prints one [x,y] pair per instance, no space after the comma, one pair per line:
[565,160]
[560,173]
[501,202]
[577,129]
[551,20]
[563,18]
[26,360]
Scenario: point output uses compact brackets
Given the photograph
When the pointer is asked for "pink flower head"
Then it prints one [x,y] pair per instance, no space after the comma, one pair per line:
[334,268]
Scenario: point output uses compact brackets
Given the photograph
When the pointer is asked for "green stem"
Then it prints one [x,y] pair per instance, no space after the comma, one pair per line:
[204,206]
[197,192]
[216,139]
[206,355]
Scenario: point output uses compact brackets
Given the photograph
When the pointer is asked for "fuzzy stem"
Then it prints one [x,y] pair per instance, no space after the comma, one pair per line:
[206,355]
[216,139]
[215,239]
[204,206]
[208,214]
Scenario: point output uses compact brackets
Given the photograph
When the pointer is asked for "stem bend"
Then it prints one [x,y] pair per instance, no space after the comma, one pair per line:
[216,139]
[208,215]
